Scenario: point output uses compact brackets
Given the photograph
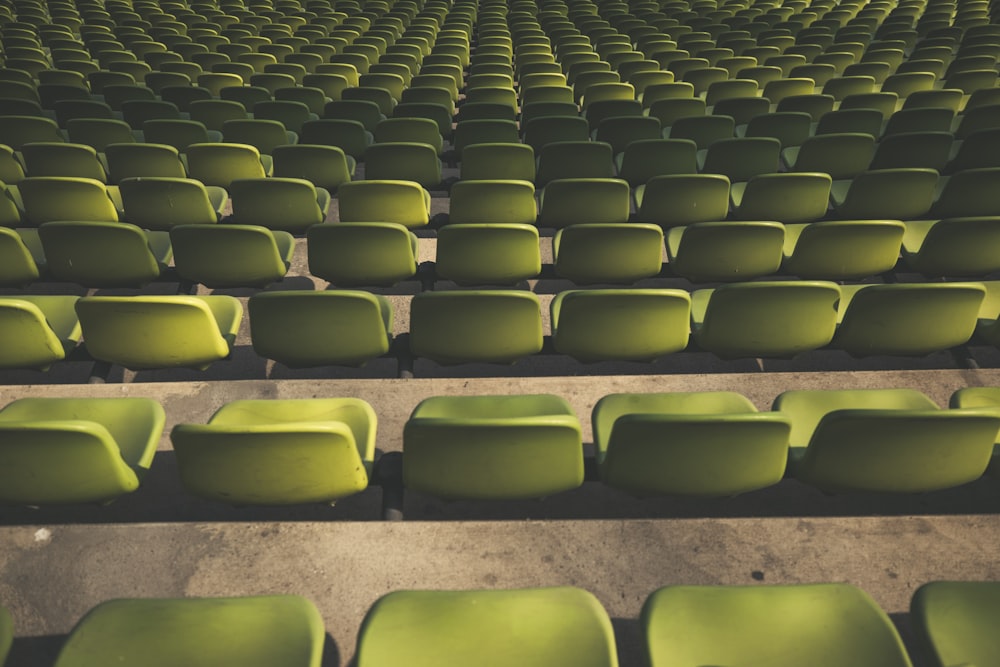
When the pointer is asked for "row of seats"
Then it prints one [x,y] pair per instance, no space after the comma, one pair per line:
[780,625]
[707,444]
[350,328]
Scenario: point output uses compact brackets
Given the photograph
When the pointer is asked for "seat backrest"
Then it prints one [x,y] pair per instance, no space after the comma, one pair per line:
[228,255]
[952,621]
[53,198]
[220,164]
[28,339]
[98,254]
[402,202]
[291,204]
[362,253]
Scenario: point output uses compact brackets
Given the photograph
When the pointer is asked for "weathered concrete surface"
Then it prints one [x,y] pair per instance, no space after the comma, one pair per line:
[50,575]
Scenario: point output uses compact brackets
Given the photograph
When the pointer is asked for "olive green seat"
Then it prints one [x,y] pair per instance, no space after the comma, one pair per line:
[53,158]
[326,167]
[362,253]
[178,133]
[725,251]
[401,202]
[967,193]
[410,130]
[954,622]
[554,627]
[697,443]
[492,161]
[981,397]
[787,198]
[219,164]
[842,155]
[742,158]
[6,633]
[55,198]
[16,131]
[143,332]
[911,319]
[842,249]
[159,203]
[608,252]
[825,625]
[99,132]
[37,331]
[18,266]
[496,326]
[492,447]
[574,159]
[959,247]
[264,135]
[764,319]
[231,255]
[287,204]
[488,254]
[884,440]
[76,450]
[645,159]
[683,199]
[493,202]
[348,135]
[142,161]
[573,201]
[620,324]
[278,452]
[895,194]
[305,328]
[403,161]
[264,631]
[104,254]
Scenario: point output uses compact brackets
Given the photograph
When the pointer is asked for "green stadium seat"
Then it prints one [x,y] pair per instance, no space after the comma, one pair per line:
[955,247]
[954,622]
[103,254]
[493,202]
[683,199]
[487,254]
[37,331]
[401,202]
[607,252]
[159,203]
[362,253]
[219,164]
[786,197]
[230,255]
[842,249]
[326,167]
[572,201]
[725,251]
[56,198]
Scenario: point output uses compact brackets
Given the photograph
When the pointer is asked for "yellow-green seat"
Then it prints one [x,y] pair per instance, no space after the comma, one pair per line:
[278,452]
[725,251]
[496,326]
[645,159]
[741,158]
[76,450]
[178,133]
[326,167]
[37,330]
[967,193]
[764,319]
[608,252]
[142,160]
[488,254]
[362,253]
[842,155]
[15,131]
[492,447]
[493,202]
[785,198]
[620,324]
[410,130]
[683,199]
[981,397]
[402,202]
[955,622]
[6,633]
[491,161]
[54,198]
[231,255]
[18,267]
[58,158]
[220,164]
[842,249]
[697,443]
[574,159]
[104,254]
[896,194]
[140,332]
[885,440]
[306,328]
[911,319]
[825,625]
[265,631]
[347,134]
[551,627]
[288,204]
[572,201]
[160,203]
[403,161]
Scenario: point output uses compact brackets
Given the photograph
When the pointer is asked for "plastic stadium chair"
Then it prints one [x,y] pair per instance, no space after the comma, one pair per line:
[264,135]
[62,159]
[682,199]
[99,132]
[279,452]
[178,133]
[930,150]
[142,160]
[404,161]
[497,161]
[981,397]
[842,249]
[213,114]
[493,202]
[348,135]
[928,119]
[491,447]
[290,114]
[841,155]
[411,130]
[957,247]
[219,164]
[571,201]
[725,251]
[698,443]
[230,255]
[740,159]
[645,159]
[574,159]
[262,631]
[159,203]
[362,253]
[54,198]
[76,450]
[791,128]
[11,168]
[326,167]
[620,324]
[703,130]
[37,331]
[911,319]
[18,266]
[966,194]
[6,633]
[980,150]
[764,319]
[401,202]
[141,332]
[288,204]
[473,132]
[475,326]
[103,254]
[784,626]
[786,198]
[900,194]
[543,130]
[531,627]
[607,253]
[884,440]
[487,254]
[954,622]
[865,121]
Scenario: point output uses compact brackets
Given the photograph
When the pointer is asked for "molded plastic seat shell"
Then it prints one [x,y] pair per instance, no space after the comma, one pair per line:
[362,253]
[842,249]
[402,202]
[231,255]
[953,621]
[487,254]
[608,253]
[37,330]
